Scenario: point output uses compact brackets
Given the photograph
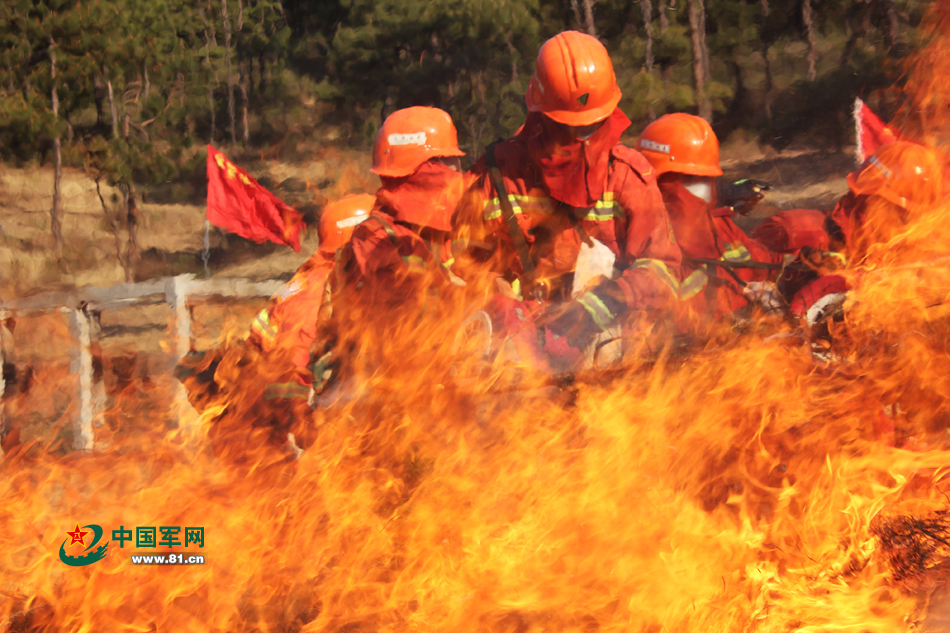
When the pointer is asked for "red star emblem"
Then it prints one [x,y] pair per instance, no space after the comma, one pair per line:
[77,535]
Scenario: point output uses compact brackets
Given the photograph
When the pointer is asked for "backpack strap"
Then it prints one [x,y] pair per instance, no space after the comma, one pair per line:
[508,212]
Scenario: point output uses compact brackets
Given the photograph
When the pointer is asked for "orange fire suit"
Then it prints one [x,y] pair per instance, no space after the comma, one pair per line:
[811,233]
[629,218]
[389,284]
[710,234]
[288,327]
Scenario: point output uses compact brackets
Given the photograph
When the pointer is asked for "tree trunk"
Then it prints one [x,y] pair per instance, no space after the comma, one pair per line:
[113,108]
[261,67]
[768,64]
[589,16]
[697,29]
[209,38]
[245,130]
[892,26]
[100,95]
[514,62]
[577,14]
[132,220]
[116,232]
[227,63]
[808,19]
[856,34]
[664,19]
[56,213]
[646,8]
[244,72]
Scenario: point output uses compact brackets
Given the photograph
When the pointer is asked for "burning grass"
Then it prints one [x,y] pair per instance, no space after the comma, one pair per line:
[749,485]
[732,489]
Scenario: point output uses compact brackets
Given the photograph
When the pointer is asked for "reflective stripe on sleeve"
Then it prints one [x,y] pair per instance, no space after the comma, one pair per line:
[263,326]
[736,253]
[683,291]
[416,263]
[286,390]
[519,204]
[601,314]
[604,210]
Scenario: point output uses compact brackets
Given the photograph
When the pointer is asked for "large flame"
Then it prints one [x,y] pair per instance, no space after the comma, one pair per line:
[761,483]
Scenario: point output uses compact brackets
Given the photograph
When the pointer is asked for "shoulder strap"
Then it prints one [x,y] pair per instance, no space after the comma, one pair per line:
[521,246]
[390,233]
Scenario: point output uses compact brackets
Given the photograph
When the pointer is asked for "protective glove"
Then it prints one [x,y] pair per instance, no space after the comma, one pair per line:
[827,293]
[587,316]
[765,294]
[741,195]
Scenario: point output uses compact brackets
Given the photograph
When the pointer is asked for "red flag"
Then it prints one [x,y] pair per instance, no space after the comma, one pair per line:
[238,204]
[870,131]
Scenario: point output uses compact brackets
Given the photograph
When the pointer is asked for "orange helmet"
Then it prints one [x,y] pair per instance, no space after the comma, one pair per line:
[410,137]
[905,173]
[573,81]
[681,143]
[340,218]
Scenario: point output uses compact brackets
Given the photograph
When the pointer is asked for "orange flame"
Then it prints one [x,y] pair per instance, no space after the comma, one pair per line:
[745,486]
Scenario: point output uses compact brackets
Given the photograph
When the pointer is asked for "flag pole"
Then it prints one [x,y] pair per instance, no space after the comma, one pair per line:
[206,251]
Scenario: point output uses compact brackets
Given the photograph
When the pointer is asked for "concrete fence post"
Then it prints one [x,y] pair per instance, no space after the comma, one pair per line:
[81,367]
[177,290]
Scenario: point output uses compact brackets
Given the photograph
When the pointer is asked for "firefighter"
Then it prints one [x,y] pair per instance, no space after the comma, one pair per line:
[563,189]
[287,327]
[731,268]
[895,184]
[265,381]
[397,268]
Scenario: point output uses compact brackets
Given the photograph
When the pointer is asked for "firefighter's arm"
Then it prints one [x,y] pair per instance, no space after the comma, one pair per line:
[649,282]
[654,273]
[474,245]
[794,229]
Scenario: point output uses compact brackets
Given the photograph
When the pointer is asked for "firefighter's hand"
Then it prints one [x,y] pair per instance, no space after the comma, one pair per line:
[590,314]
[303,427]
[765,294]
[742,195]
[571,321]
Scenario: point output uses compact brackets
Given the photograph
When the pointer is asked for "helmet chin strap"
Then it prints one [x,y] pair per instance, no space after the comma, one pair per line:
[701,189]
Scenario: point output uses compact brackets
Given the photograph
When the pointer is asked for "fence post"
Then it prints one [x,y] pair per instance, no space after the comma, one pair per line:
[177,290]
[81,366]
[3,382]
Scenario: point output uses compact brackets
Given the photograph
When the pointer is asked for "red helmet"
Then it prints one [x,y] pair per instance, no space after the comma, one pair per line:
[681,143]
[573,81]
[410,137]
[908,174]
[340,218]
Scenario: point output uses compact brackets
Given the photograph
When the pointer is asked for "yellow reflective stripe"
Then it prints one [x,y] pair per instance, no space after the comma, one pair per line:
[597,309]
[286,390]
[263,326]
[834,255]
[448,263]
[519,204]
[683,291]
[516,287]
[604,210]
[692,285]
[416,263]
[736,253]
[659,269]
